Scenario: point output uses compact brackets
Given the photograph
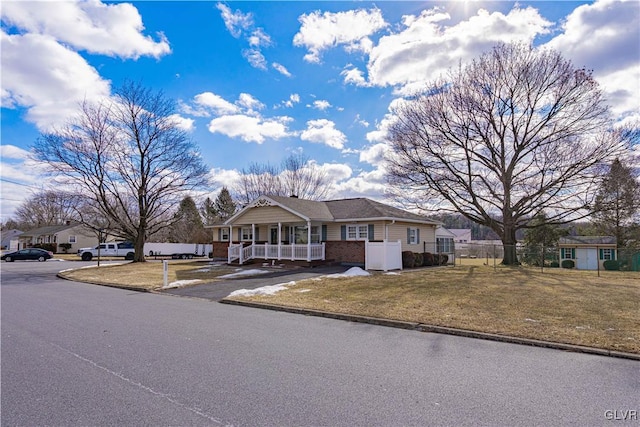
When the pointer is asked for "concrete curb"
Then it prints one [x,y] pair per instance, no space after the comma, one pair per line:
[108,285]
[421,327]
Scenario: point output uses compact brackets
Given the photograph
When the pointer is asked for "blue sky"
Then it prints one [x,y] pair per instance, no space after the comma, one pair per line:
[257,81]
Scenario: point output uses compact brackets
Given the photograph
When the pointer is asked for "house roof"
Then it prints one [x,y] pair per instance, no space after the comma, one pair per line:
[587,240]
[342,210]
[47,231]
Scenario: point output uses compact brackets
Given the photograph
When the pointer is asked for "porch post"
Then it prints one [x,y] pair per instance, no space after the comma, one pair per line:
[279,240]
[308,241]
[253,240]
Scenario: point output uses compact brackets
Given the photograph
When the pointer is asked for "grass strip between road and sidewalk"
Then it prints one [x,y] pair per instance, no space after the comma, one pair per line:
[557,305]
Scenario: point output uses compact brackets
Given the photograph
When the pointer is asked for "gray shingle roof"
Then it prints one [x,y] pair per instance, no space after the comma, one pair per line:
[587,240]
[347,210]
[47,231]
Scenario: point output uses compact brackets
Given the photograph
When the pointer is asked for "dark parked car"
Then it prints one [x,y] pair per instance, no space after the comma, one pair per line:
[33,253]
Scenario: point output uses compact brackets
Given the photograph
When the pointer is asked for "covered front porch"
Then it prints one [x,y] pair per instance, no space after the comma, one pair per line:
[290,241]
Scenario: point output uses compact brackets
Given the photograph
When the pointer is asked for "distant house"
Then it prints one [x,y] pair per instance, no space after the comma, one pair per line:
[588,252]
[76,235]
[289,228]
[461,235]
[10,239]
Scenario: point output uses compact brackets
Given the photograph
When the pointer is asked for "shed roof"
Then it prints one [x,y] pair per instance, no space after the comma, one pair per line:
[587,240]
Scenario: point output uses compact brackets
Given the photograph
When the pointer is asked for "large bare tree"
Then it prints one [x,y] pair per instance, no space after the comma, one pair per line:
[49,207]
[128,161]
[297,176]
[517,131]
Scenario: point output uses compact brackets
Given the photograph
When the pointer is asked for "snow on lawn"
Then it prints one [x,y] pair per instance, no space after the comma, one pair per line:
[181,283]
[242,273]
[264,290]
[352,272]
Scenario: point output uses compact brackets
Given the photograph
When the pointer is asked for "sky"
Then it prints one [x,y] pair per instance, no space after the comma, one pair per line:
[255,82]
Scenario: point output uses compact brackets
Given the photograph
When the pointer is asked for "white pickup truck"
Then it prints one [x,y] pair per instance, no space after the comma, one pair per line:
[126,250]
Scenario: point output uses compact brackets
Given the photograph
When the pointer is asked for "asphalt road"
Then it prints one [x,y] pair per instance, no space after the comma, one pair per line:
[78,354]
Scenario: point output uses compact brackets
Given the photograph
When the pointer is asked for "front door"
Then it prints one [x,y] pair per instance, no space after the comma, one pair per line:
[273,235]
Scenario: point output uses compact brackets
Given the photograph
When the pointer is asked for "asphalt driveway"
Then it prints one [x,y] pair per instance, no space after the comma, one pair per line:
[218,290]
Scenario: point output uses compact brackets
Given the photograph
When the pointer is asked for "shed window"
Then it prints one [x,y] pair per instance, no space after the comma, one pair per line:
[607,254]
[568,253]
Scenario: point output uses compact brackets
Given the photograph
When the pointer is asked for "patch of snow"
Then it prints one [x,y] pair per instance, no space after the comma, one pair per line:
[242,273]
[352,272]
[264,290]
[181,283]
[392,273]
[531,320]
[304,290]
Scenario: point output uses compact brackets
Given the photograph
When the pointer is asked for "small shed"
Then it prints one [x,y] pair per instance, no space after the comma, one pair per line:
[588,252]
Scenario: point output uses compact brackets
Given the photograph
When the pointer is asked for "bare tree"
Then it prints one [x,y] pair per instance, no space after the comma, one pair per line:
[46,208]
[297,176]
[517,131]
[129,161]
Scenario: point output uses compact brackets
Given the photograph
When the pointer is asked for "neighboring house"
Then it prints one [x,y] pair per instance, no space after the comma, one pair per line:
[461,235]
[289,228]
[76,235]
[10,239]
[588,252]
[445,240]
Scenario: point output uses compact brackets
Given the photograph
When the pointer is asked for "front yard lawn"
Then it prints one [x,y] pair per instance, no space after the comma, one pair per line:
[567,306]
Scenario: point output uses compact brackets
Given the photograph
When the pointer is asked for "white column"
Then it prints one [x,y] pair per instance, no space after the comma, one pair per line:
[308,241]
[279,240]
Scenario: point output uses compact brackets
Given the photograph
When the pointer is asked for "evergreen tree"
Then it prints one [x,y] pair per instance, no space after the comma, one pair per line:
[209,212]
[617,202]
[224,205]
[188,226]
[541,236]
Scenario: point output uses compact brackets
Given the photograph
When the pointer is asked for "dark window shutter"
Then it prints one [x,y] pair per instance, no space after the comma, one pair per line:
[240,234]
[371,234]
[417,235]
[219,234]
[573,253]
[613,254]
[324,233]
[408,235]
[601,254]
[257,236]
[343,232]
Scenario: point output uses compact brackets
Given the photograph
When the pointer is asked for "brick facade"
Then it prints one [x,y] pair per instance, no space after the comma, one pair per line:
[345,251]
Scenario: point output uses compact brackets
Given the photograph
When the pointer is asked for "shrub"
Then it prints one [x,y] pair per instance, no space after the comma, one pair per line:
[51,247]
[419,260]
[444,259]
[427,259]
[65,247]
[568,263]
[554,264]
[611,264]
[408,259]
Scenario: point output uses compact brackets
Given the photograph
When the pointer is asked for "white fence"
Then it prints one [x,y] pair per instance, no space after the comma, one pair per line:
[293,252]
[383,255]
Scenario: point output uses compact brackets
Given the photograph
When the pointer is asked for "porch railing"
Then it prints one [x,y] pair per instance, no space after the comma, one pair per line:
[293,252]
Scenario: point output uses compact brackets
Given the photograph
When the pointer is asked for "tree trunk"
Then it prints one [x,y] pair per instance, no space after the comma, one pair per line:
[509,246]
[138,246]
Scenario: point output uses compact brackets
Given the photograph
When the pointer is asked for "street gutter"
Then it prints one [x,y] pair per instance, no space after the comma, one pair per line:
[421,327]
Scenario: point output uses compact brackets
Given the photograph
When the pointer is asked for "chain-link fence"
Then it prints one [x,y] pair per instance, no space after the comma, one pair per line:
[597,258]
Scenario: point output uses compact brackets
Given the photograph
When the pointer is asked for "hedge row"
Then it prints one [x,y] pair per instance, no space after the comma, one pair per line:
[425,259]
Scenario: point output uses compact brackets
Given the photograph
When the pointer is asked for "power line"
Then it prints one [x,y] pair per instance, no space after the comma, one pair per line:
[16,183]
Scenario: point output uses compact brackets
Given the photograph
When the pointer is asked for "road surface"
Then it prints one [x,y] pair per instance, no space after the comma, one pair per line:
[79,354]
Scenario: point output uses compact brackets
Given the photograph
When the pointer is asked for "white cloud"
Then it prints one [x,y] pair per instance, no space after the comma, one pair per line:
[366,184]
[250,128]
[294,98]
[321,31]
[13,152]
[50,81]
[281,69]
[425,48]
[321,104]
[255,58]
[249,102]
[324,131]
[188,125]
[374,154]
[354,76]
[236,22]
[216,103]
[605,36]
[108,29]
[259,38]
[336,171]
